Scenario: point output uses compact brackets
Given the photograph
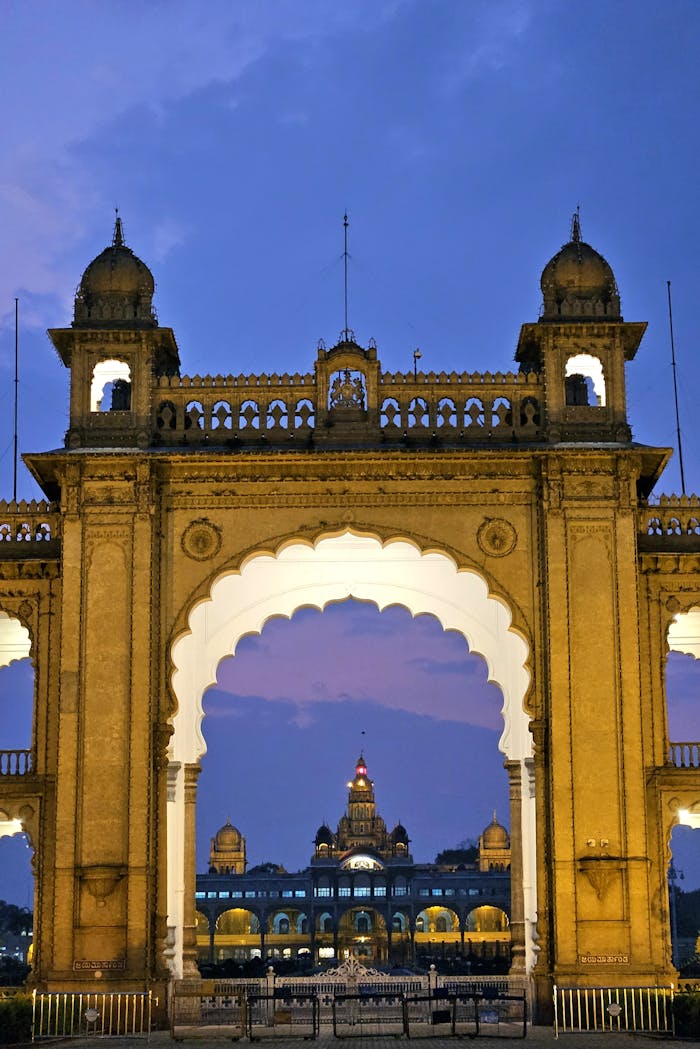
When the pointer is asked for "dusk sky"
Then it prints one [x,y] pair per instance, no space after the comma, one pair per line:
[460,136]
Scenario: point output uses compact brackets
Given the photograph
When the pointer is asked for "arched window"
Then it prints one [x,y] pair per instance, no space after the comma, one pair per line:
[110,390]
[390,414]
[584,381]
[363,922]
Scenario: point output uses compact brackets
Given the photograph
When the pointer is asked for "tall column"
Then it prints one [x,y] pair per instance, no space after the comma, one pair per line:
[517,909]
[189,939]
[312,937]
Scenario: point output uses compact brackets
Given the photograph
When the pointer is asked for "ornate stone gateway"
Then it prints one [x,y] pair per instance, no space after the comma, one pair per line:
[184,512]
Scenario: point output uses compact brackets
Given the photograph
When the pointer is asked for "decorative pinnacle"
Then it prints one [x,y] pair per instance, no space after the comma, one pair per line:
[576,225]
[118,235]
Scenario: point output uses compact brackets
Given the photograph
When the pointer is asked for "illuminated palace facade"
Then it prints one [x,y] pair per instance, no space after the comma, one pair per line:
[361,896]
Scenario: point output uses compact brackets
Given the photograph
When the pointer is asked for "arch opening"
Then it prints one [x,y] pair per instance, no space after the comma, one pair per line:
[334,569]
[110,390]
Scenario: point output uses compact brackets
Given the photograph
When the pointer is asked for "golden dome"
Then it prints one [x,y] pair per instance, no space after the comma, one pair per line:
[228,837]
[116,289]
[495,836]
[578,282]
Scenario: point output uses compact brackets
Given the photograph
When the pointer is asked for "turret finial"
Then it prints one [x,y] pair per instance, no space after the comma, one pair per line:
[118,235]
[576,225]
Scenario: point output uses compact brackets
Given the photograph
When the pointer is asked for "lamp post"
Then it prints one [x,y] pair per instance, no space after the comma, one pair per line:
[416,357]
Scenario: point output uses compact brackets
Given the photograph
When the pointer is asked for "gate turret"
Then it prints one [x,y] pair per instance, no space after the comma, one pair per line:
[581,344]
[113,348]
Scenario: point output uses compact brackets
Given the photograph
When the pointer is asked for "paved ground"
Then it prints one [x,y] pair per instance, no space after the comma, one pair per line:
[537,1038]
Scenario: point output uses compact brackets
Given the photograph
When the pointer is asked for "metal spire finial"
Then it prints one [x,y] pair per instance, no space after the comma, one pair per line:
[576,225]
[346,335]
[118,235]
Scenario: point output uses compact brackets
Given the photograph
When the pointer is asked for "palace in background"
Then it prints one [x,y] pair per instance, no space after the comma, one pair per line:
[361,896]
[185,511]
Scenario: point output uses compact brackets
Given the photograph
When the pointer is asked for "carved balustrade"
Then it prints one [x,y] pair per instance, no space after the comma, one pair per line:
[453,408]
[15,762]
[28,529]
[673,515]
[684,755]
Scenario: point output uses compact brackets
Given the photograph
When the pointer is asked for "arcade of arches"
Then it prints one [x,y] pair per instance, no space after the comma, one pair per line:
[362,896]
[183,512]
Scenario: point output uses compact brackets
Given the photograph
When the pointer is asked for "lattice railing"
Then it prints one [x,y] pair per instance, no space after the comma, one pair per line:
[684,755]
[27,522]
[466,407]
[673,515]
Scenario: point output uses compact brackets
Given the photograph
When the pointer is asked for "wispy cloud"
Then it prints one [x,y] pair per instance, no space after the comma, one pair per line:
[73,71]
[353,652]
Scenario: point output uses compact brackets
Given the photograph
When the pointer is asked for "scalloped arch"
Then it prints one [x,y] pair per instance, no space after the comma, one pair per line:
[334,568]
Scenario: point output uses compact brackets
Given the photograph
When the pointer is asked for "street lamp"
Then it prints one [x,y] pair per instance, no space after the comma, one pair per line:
[416,357]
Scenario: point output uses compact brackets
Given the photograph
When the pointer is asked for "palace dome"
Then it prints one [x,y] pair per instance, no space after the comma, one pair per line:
[579,283]
[116,289]
[495,835]
[324,835]
[399,835]
[228,837]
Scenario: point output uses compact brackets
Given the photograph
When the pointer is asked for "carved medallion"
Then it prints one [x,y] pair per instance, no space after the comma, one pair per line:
[201,540]
[496,537]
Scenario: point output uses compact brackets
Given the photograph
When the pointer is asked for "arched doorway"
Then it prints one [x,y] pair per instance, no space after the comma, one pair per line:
[334,568]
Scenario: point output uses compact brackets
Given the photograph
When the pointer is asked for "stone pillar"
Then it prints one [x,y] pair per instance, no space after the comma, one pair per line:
[312,938]
[189,939]
[517,910]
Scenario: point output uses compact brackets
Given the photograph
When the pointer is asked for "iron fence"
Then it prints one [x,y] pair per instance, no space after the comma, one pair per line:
[69,1014]
[648,1009]
[201,1008]
[282,1014]
[366,1014]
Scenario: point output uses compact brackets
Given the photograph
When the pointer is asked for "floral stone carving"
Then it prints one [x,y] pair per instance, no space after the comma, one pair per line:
[201,540]
[496,537]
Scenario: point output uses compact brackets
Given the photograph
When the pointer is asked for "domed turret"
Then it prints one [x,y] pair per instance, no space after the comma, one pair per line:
[494,847]
[495,835]
[228,836]
[578,283]
[324,836]
[227,851]
[116,289]
[399,834]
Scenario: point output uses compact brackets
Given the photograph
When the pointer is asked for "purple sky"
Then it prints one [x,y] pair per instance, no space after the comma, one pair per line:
[460,137]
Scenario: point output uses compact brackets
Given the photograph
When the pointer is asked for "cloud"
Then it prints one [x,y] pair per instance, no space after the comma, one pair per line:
[492,36]
[73,71]
[352,652]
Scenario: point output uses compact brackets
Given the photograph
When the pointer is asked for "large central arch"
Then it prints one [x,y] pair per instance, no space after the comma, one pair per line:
[312,574]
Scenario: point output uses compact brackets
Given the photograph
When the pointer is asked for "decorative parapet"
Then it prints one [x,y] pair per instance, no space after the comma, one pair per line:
[684,755]
[15,762]
[29,529]
[672,524]
[454,408]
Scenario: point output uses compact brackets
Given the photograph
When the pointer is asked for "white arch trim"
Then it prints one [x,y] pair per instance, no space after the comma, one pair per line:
[334,568]
[684,632]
